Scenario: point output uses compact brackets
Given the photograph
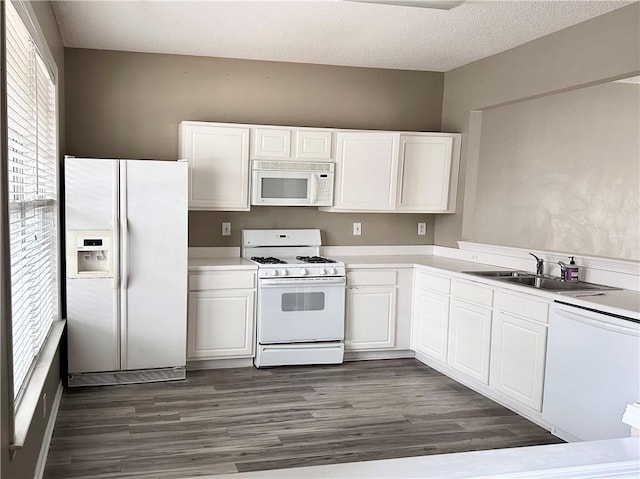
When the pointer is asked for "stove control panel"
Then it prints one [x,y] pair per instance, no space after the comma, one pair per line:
[307,272]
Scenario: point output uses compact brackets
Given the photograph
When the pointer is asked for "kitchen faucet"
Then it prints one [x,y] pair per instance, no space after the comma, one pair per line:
[563,270]
[539,265]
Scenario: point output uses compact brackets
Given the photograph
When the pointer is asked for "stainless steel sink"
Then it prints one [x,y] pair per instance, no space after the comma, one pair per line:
[540,282]
[498,274]
[553,284]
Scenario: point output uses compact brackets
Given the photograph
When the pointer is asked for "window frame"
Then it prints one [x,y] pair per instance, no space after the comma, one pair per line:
[21,412]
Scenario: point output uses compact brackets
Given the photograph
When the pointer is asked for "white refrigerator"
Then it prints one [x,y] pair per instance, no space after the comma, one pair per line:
[126,270]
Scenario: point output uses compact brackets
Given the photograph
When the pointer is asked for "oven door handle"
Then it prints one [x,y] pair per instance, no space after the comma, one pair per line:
[278,283]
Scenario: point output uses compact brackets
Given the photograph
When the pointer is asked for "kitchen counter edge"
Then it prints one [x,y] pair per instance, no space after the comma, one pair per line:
[619,302]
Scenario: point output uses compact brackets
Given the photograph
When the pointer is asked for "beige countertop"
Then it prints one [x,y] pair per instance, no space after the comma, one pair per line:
[620,302]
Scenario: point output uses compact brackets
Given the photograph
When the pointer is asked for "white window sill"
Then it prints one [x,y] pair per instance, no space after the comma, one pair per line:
[31,399]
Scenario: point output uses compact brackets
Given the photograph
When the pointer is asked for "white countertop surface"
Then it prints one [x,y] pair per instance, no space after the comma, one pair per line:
[618,458]
[620,302]
[216,263]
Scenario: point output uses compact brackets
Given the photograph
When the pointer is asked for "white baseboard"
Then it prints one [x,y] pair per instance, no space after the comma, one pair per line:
[219,364]
[48,433]
[369,355]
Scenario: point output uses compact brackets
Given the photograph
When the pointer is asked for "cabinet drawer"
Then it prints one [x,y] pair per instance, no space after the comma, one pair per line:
[371,277]
[472,292]
[433,283]
[522,305]
[222,280]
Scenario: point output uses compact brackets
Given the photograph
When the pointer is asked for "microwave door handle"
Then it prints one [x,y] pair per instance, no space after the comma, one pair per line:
[314,188]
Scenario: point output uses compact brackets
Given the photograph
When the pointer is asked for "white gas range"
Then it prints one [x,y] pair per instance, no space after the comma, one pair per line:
[301,298]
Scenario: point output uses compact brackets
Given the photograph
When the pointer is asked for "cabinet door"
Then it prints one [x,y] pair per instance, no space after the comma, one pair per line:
[518,357]
[431,324]
[313,145]
[218,166]
[220,324]
[371,318]
[424,173]
[271,143]
[366,171]
[469,339]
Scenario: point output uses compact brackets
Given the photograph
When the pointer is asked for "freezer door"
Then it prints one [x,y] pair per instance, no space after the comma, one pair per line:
[153,221]
[91,203]
[91,194]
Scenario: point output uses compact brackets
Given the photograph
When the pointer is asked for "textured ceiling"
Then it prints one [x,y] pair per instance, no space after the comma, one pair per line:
[329,32]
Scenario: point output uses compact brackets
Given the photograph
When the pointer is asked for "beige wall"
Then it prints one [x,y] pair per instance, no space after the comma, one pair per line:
[594,51]
[336,228]
[128,105]
[24,463]
[565,171]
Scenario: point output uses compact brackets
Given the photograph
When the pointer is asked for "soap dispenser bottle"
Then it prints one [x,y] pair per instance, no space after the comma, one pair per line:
[571,271]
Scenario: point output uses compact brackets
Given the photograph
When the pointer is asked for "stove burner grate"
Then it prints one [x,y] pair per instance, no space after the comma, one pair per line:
[315,259]
[269,260]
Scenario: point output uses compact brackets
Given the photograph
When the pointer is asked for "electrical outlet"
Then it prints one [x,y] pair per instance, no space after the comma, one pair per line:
[44,406]
[357,229]
[475,257]
[422,229]
[226,229]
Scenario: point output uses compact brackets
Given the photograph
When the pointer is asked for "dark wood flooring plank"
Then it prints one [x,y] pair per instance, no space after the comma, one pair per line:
[246,419]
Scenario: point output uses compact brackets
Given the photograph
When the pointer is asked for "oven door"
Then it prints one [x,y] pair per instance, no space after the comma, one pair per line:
[283,188]
[301,310]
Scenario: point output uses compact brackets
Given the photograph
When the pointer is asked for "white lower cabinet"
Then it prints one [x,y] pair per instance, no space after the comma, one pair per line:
[430,326]
[220,322]
[470,339]
[491,339]
[371,310]
[519,341]
[470,329]
[371,317]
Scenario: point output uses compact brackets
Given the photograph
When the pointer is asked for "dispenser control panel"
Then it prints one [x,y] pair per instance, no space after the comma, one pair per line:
[89,254]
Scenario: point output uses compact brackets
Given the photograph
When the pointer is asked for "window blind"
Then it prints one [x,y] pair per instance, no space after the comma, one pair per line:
[32,190]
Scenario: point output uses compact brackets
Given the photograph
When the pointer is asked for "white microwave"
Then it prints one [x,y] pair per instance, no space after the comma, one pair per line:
[291,183]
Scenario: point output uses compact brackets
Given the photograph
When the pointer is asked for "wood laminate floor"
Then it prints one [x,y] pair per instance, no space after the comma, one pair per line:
[246,419]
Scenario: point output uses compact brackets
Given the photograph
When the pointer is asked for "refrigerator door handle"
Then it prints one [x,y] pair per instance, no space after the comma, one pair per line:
[124,264]
[125,253]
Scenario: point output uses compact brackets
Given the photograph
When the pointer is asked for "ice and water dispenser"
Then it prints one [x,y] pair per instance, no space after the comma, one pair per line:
[90,254]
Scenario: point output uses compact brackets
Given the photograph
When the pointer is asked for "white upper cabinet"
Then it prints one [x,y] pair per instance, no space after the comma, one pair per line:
[366,171]
[271,143]
[376,171]
[424,172]
[218,165]
[289,144]
[403,173]
[313,145]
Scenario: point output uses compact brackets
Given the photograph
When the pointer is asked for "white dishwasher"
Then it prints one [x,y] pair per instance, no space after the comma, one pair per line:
[592,373]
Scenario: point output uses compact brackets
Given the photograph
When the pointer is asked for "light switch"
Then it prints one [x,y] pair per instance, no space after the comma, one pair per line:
[226,229]
[357,229]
